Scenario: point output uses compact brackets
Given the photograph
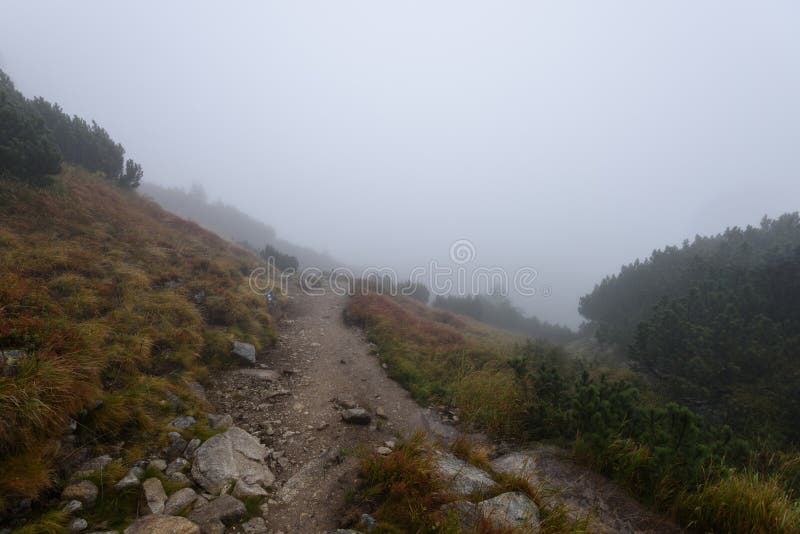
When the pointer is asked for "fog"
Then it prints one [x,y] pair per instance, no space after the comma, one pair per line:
[570,137]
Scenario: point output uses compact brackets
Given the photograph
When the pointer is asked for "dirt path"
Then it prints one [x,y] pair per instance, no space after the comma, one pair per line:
[289,402]
[317,360]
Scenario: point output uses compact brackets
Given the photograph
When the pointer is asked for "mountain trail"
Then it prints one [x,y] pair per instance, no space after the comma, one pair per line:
[293,401]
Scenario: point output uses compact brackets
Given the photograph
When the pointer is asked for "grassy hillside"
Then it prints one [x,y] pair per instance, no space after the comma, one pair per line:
[660,451]
[231,223]
[118,307]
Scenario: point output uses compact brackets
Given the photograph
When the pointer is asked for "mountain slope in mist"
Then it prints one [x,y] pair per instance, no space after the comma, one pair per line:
[233,224]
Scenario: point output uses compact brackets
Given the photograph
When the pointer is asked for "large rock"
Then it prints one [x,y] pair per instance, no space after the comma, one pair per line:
[228,457]
[84,491]
[510,511]
[180,501]
[506,512]
[517,463]
[225,508]
[461,478]
[246,351]
[163,524]
[154,496]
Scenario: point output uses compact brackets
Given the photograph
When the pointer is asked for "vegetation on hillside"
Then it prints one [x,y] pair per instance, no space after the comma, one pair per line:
[661,451]
[715,325]
[36,135]
[498,311]
[117,307]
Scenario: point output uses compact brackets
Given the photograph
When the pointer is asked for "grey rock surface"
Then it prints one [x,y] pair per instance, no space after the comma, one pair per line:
[461,478]
[228,457]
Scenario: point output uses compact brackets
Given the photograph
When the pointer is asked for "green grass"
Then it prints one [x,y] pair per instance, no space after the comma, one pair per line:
[534,391]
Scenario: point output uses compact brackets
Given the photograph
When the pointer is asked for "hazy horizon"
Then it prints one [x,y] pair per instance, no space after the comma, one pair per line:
[571,138]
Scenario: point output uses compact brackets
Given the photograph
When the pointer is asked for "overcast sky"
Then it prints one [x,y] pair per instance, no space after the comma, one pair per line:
[571,137]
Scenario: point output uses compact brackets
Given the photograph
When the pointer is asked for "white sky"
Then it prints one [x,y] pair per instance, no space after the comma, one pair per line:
[572,137]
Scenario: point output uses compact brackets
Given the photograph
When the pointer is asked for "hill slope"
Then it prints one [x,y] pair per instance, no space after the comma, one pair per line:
[231,223]
[110,309]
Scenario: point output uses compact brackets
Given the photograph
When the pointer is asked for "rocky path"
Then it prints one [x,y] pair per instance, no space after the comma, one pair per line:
[294,401]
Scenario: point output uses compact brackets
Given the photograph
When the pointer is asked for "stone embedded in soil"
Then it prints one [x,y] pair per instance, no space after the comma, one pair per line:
[221,421]
[131,479]
[516,463]
[225,508]
[246,351]
[228,457]
[383,451]
[176,466]
[182,422]
[356,416]
[509,511]
[176,445]
[255,526]
[72,506]
[78,525]
[180,501]
[158,463]
[192,447]
[154,495]
[460,477]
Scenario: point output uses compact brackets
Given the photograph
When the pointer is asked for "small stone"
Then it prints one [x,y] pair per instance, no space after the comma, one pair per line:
[246,351]
[131,479]
[78,525]
[383,451]
[255,526]
[380,412]
[345,403]
[176,466]
[356,416]
[84,491]
[219,422]
[176,445]
[390,443]
[182,422]
[242,490]
[180,501]
[192,447]
[367,522]
[322,426]
[72,506]
[154,496]
[158,464]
